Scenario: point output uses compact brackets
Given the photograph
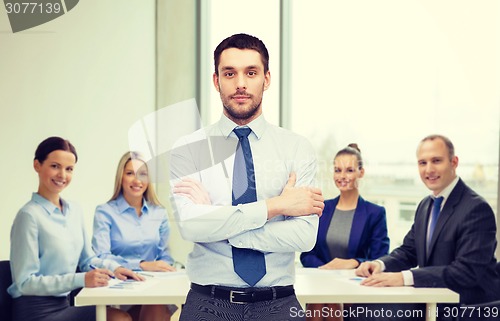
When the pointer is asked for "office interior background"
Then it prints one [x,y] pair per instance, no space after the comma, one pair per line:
[383,74]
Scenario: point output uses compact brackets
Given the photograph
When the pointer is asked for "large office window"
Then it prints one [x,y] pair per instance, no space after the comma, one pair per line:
[384,74]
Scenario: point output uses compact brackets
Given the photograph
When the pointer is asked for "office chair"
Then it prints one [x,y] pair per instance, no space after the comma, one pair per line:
[5,298]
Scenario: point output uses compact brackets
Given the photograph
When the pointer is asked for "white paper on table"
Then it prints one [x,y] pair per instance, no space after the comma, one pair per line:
[116,284]
[326,273]
[161,275]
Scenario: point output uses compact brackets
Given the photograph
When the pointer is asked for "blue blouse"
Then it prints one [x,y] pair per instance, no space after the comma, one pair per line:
[47,245]
[121,235]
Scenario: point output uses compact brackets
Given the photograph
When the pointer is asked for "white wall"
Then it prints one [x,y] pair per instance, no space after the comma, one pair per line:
[86,76]
[177,81]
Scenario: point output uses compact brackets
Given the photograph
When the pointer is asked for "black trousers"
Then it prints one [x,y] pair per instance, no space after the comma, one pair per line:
[201,307]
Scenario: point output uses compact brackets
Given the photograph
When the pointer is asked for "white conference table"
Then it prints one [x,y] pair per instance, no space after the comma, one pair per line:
[311,286]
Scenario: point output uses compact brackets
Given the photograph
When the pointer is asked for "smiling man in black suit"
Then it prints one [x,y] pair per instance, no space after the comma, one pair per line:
[453,237]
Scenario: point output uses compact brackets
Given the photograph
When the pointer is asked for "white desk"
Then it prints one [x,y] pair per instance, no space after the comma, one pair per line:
[311,286]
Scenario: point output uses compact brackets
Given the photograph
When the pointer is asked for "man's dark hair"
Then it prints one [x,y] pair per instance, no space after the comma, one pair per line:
[242,41]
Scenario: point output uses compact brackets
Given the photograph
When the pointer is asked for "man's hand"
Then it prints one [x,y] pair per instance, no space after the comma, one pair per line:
[338,264]
[193,190]
[384,279]
[296,201]
[368,268]
[157,266]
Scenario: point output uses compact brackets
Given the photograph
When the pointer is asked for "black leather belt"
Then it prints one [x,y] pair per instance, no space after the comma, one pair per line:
[243,295]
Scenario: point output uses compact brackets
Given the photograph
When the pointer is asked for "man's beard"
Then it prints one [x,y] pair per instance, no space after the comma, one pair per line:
[236,113]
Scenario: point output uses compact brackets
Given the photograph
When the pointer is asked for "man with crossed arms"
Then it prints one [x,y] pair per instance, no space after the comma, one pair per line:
[277,221]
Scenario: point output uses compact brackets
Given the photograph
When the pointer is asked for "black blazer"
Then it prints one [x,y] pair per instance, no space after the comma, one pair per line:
[368,238]
[461,255]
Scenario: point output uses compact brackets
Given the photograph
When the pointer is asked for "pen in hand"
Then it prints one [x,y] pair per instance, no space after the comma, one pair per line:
[93,267]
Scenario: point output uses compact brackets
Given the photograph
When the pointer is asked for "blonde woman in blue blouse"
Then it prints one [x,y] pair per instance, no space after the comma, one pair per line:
[48,243]
[132,229]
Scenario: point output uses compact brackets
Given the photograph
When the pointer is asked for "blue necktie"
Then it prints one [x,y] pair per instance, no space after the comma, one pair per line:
[436,208]
[249,264]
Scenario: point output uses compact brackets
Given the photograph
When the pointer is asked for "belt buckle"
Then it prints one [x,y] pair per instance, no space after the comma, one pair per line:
[231,297]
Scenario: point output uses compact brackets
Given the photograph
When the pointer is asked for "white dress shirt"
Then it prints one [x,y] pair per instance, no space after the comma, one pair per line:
[215,228]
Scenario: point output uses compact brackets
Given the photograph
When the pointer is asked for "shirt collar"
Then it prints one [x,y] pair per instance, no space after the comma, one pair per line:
[48,206]
[258,126]
[445,193]
[123,205]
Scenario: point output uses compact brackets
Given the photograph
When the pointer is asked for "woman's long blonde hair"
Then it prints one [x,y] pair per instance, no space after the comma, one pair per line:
[149,194]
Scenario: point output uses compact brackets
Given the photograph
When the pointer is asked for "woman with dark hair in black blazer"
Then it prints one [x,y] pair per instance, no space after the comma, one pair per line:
[351,229]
